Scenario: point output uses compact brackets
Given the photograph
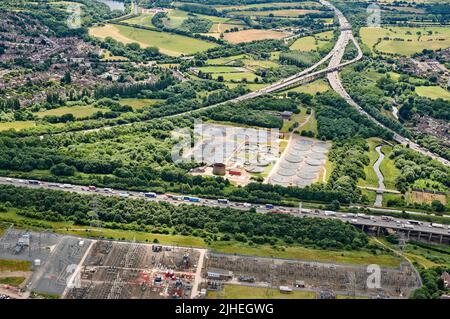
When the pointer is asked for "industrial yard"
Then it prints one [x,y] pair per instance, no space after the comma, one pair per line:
[239,153]
[74,268]
[323,279]
[115,270]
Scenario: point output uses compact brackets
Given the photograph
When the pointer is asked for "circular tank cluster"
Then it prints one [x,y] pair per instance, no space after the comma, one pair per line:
[301,164]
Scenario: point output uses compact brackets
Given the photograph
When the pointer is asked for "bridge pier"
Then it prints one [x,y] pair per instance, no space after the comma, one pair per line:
[407,234]
[429,237]
[362,227]
[440,239]
[420,234]
[378,231]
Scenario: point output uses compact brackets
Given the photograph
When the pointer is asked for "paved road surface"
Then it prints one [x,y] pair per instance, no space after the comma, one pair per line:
[381,187]
[360,219]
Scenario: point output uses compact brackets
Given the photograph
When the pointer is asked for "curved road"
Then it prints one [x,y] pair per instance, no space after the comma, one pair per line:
[381,187]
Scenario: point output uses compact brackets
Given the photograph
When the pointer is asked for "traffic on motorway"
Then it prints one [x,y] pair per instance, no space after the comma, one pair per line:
[357,219]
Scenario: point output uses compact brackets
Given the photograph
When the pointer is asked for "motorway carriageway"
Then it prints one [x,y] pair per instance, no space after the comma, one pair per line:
[357,219]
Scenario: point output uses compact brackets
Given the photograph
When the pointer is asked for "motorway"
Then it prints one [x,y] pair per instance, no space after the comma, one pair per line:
[335,56]
[336,84]
[356,219]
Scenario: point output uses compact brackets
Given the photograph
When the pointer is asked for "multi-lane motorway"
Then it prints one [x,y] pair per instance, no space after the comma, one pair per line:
[356,219]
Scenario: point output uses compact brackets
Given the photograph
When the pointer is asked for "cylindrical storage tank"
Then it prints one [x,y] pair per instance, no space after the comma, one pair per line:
[219,169]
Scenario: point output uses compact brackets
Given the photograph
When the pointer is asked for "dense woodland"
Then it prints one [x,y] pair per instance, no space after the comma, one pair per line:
[244,226]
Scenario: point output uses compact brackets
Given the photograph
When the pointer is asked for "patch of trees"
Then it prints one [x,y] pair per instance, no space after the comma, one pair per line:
[132,90]
[349,159]
[337,120]
[252,112]
[433,286]
[196,25]
[414,165]
[9,105]
[245,226]
[211,11]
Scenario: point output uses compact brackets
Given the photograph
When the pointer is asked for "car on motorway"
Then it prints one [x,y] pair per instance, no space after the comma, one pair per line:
[124,195]
[150,195]
[354,220]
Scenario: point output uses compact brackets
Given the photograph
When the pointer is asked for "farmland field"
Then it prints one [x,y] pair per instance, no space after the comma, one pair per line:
[405,41]
[290,13]
[388,169]
[371,178]
[318,86]
[77,111]
[17,125]
[175,19]
[170,44]
[426,197]
[253,35]
[433,92]
[226,60]
[311,43]
[137,104]
[268,5]
[145,19]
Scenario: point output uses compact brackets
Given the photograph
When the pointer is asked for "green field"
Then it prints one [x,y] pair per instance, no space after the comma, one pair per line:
[237,77]
[226,60]
[175,19]
[433,92]
[388,169]
[16,125]
[138,104]
[144,19]
[267,5]
[231,247]
[318,86]
[168,43]
[314,42]
[404,40]
[230,74]
[221,69]
[249,292]
[79,111]
[288,13]
[295,118]
[303,253]
[371,178]
[311,125]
